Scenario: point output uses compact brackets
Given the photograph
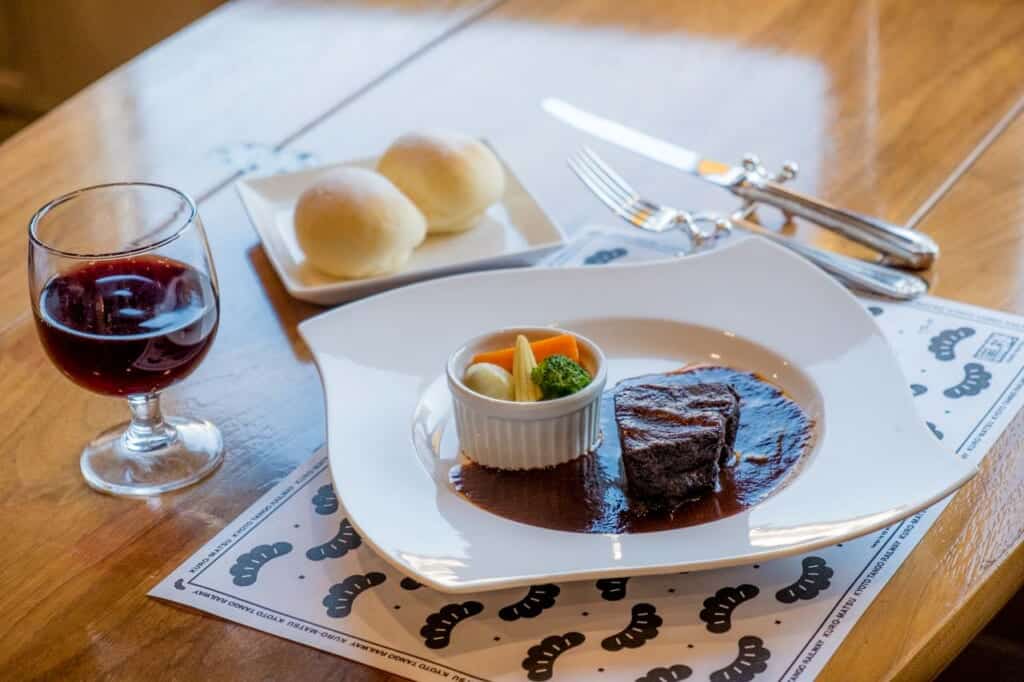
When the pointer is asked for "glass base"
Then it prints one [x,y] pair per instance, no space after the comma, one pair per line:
[186,451]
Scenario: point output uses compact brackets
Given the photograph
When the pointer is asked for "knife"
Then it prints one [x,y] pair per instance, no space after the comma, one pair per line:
[905,247]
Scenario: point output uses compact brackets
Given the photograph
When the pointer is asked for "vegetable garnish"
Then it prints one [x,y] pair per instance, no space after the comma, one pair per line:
[563,344]
[558,376]
[523,365]
[490,380]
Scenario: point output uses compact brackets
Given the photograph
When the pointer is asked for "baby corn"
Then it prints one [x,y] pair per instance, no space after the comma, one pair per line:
[523,363]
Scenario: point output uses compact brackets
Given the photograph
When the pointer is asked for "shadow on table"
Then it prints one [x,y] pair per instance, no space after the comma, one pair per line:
[288,311]
[997,653]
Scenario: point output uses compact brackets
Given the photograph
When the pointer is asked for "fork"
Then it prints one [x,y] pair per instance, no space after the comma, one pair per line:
[617,194]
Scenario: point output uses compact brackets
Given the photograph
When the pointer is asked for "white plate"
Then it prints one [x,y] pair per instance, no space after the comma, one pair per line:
[513,232]
[391,440]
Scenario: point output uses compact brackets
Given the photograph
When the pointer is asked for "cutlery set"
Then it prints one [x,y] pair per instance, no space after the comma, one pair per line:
[615,193]
[902,247]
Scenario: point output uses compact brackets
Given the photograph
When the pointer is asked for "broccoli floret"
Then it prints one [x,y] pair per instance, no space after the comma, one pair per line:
[559,376]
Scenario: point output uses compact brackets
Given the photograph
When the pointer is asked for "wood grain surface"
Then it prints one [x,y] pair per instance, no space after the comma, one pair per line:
[879,101]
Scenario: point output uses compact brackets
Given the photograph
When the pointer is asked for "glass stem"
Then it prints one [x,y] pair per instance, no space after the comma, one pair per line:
[147,430]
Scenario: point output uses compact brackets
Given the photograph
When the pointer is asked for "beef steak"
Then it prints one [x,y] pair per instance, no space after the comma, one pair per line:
[674,438]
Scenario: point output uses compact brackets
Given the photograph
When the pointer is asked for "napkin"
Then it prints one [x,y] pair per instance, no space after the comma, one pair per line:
[293,566]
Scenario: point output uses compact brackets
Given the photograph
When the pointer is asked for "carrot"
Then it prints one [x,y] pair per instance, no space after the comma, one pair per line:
[565,344]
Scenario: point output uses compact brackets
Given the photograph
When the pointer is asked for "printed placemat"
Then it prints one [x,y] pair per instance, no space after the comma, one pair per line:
[293,566]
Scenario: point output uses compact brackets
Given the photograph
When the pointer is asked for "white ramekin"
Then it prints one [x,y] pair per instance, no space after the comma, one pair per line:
[509,435]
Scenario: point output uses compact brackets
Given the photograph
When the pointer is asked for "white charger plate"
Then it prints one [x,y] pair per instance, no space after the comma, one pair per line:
[748,304]
[515,231]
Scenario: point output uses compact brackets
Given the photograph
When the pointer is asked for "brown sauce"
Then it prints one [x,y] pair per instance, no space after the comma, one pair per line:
[589,494]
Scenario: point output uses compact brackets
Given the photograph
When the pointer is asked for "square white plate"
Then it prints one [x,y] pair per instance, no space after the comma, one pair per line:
[747,304]
[515,231]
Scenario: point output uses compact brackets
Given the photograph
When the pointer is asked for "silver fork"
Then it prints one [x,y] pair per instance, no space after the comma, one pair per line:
[621,198]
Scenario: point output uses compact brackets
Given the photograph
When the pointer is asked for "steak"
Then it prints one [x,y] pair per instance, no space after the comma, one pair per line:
[674,438]
[721,398]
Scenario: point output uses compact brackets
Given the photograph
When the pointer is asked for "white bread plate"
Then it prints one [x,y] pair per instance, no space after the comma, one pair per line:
[514,231]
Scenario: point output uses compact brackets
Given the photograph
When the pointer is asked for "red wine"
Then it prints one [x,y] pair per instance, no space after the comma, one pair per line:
[129,326]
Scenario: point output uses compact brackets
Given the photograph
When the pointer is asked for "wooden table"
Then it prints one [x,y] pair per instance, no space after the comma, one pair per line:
[905,111]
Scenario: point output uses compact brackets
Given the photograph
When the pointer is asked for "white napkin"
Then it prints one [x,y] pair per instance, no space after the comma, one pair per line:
[292,566]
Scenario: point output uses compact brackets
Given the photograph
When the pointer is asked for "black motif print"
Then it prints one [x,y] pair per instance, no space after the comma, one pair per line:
[815,577]
[612,589]
[643,625]
[247,566]
[538,598]
[943,346]
[410,584]
[718,608]
[749,662]
[976,379]
[875,310]
[935,430]
[604,256]
[342,596]
[345,540]
[918,389]
[325,501]
[539,663]
[675,673]
[179,584]
[437,631]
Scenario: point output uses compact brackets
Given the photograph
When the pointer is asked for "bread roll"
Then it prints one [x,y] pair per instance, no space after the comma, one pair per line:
[451,177]
[354,223]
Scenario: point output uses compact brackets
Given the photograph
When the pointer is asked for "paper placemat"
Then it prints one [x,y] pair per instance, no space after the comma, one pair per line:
[293,566]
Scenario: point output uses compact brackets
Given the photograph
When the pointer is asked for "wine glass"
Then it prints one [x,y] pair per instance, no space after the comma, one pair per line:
[126,303]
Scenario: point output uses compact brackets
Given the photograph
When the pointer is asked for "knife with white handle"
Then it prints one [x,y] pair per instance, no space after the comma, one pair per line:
[906,248]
